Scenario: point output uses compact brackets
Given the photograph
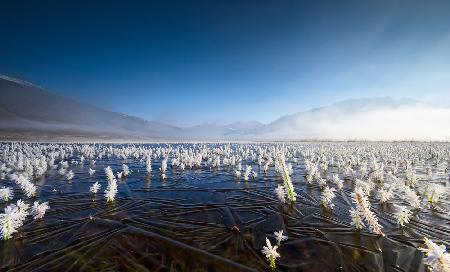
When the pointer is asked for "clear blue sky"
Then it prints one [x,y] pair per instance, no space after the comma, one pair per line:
[189,62]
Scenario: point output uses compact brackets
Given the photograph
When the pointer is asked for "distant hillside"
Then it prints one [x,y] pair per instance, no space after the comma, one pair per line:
[29,108]
[28,112]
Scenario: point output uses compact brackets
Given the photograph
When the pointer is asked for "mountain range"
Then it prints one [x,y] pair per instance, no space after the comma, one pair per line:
[29,112]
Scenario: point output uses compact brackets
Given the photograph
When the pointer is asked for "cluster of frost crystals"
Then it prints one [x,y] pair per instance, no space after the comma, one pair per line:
[111,189]
[285,171]
[63,169]
[25,184]
[95,187]
[40,166]
[435,192]
[39,209]
[70,175]
[271,253]
[6,193]
[362,204]
[436,257]
[163,168]
[249,173]
[149,165]
[124,173]
[12,219]
[387,173]
[356,219]
[339,182]
[385,194]
[412,198]
[281,193]
[280,237]
[403,215]
[327,197]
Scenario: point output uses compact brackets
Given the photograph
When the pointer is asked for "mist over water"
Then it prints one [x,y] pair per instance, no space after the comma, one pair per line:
[419,123]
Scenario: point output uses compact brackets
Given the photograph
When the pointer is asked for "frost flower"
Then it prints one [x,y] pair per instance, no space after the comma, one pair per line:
[339,182]
[70,175]
[270,253]
[12,219]
[437,257]
[111,189]
[95,187]
[327,197]
[363,207]
[109,173]
[25,184]
[149,165]
[412,198]
[91,172]
[356,219]
[248,171]
[287,180]
[280,237]
[435,193]
[403,215]
[164,166]
[385,194]
[6,193]
[281,193]
[38,210]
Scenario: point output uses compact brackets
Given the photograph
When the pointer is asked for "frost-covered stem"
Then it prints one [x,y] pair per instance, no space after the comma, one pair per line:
[6,231]
[437,257]
[149,165]
[111,190]
[272,262]
[363,205]
[287,181]
[358,222]
[356,219]
[430,198]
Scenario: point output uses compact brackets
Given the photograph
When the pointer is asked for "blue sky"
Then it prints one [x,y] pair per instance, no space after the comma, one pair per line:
[190,62]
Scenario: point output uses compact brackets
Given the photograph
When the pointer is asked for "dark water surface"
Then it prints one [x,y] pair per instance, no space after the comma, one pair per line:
[207,220]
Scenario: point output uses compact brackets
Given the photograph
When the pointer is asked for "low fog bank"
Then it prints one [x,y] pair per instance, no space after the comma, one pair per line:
[414,122]
[30,112]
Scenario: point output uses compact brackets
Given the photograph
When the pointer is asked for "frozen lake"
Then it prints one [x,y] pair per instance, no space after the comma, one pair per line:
[208,217]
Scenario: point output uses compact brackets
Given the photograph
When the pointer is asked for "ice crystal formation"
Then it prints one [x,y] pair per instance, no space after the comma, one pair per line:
[370,191]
